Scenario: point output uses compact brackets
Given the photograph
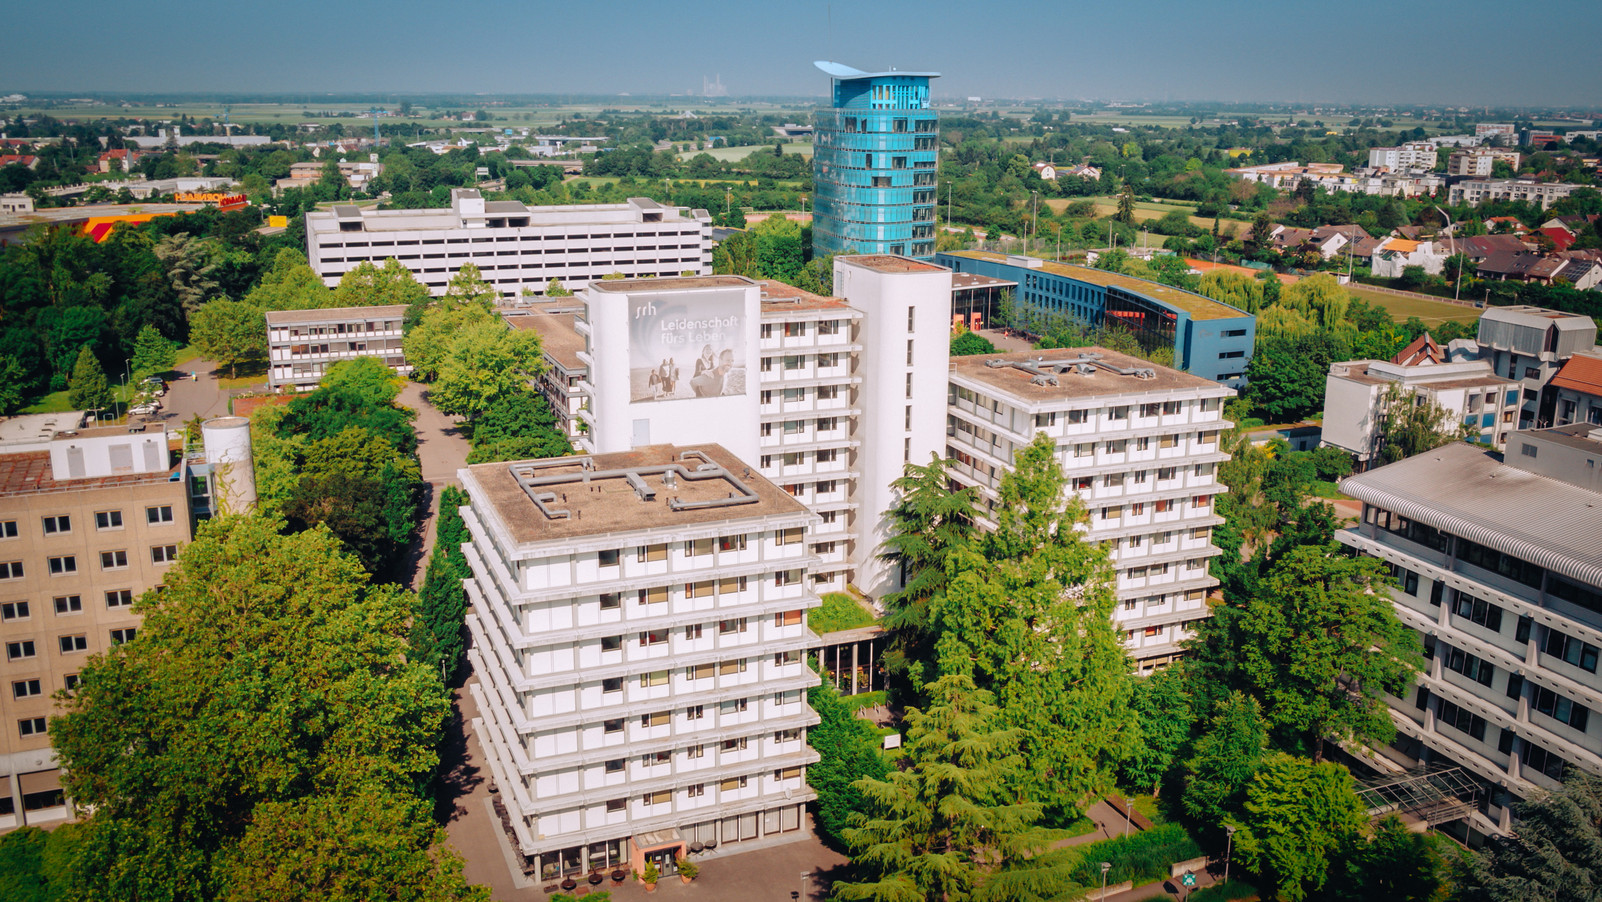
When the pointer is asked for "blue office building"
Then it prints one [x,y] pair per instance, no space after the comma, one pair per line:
[874,155]
[1210,339]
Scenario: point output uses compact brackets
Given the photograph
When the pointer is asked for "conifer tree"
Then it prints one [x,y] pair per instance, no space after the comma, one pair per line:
[88,389]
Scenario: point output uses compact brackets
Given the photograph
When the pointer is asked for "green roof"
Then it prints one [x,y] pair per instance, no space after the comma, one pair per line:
[1197,306]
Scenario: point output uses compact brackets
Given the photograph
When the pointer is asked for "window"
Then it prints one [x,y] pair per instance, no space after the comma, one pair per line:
[16,651]
[695,791]
[1478,611]
[71,681]
[72,644]
[1150,410]
[651,759]
[14,610]
[32,726]
[649,638]
[26,689]
[694,712]
[787,618]
[645,553]
[655,595]
[10,570]
[735,706]
[71,604]
[608,558]
[1527,449]
[1515,685]
[702,589]
[731,584]
[693,631]
[161,514]
[783,658]
[57,524]
[1461,719]
[699,672]
[732,626]
[787,577]
[730,785]
[611,643]
[108,519]
[1567,648]
[731,543]
[1559,708]
[1537,758]
[612,684]
[163,554]
[8,529]
[612,726]
[735,745]
[113,560]
[1470,666]
[695,751]
[653,678]
[613,805]
[611,601]
[730,668]
[787,773]
[1405,578]
[614,765]
[118,637]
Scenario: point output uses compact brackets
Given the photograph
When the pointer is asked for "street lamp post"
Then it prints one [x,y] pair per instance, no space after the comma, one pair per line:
[1034,228]
[1105,867]
[1229,849]
[804,876]
[1129,815]
[728,198]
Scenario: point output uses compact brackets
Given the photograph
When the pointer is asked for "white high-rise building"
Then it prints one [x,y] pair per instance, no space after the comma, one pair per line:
[516,248]
[639,636]
[1140,446]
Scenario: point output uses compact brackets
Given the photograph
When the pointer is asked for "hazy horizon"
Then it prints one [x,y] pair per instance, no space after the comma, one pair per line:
[1400,53]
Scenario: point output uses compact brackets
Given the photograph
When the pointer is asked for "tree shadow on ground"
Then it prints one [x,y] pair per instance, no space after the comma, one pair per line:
[457,776]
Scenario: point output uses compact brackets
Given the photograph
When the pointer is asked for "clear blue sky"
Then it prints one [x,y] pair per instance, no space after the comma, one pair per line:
[1468,52]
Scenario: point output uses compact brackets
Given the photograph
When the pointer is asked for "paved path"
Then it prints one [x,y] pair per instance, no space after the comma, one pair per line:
[187,398]
[442,450]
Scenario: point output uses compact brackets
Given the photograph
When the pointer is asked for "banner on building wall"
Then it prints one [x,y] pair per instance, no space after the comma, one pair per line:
[685,345]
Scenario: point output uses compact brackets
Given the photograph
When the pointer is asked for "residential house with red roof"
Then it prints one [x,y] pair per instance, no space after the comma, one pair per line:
[1579,390]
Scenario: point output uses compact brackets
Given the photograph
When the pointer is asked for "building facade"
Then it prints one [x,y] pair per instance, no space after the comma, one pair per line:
[90,519]
[1529,345]
[874,161]
[1479,162]
[303,344]
[1413,155]
[639,632]
[1498,570]
[1209,339]
[1478,191]
[1472,395]
[517,249]
[1140,446]
[1578,390]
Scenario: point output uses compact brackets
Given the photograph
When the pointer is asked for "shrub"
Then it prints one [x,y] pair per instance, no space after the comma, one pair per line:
[1141,857]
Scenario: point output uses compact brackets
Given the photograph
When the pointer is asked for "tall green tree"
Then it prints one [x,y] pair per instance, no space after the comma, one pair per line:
[486,360]
[1224,759]
[1318,645]
[290,284]
[229,333]
[1556,852]
[153,353]
[1027,614]
[848,751]
[88,389]
[1298,815]
[437,632]
[947,826]
[191,267]
[1162,707]
[365,491]
[1412,424]
[269,676]
[371,286]
[930,521]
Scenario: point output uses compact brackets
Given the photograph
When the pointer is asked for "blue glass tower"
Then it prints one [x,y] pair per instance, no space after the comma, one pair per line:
[873,165]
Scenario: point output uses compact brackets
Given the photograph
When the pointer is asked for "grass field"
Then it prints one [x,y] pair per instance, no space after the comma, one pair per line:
[735,154]
[1433,313]
[1144,210]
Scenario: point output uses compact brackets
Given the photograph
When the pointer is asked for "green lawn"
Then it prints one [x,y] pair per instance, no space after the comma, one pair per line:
[735,154]
[839,612]
[1433,313]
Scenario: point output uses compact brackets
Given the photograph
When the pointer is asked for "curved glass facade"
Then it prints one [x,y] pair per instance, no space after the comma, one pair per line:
[873,166]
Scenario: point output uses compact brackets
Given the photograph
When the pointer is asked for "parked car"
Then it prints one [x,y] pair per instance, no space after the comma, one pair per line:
[144,410]
[153,385]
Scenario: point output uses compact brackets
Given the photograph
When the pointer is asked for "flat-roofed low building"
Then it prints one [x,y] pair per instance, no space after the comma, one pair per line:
[303,344]
[639,633]
[1140,446]
[90,519]
[1208,338]
[1498,564]
[516,248]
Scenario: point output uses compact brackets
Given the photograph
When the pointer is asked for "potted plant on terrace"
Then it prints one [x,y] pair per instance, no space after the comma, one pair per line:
[688,870]
[649,876]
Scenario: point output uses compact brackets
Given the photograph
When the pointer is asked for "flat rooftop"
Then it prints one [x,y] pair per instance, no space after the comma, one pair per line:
[558,339]
[674,283]
[35,427]
[778,297]
[30,473]
[58,215]
[891,264]
[1357,371]
[1468,491]
[961,281]
[609,500]
[1197,306]
[334,314]
[996,373]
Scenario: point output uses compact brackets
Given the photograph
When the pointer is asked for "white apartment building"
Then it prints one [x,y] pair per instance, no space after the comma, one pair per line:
[303,344]
[1478,162]
[1413,155]
[516,248]
[1471,393]
[1140,446]
[639,635]
[820,392]
[1478,191]
[1499,570]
